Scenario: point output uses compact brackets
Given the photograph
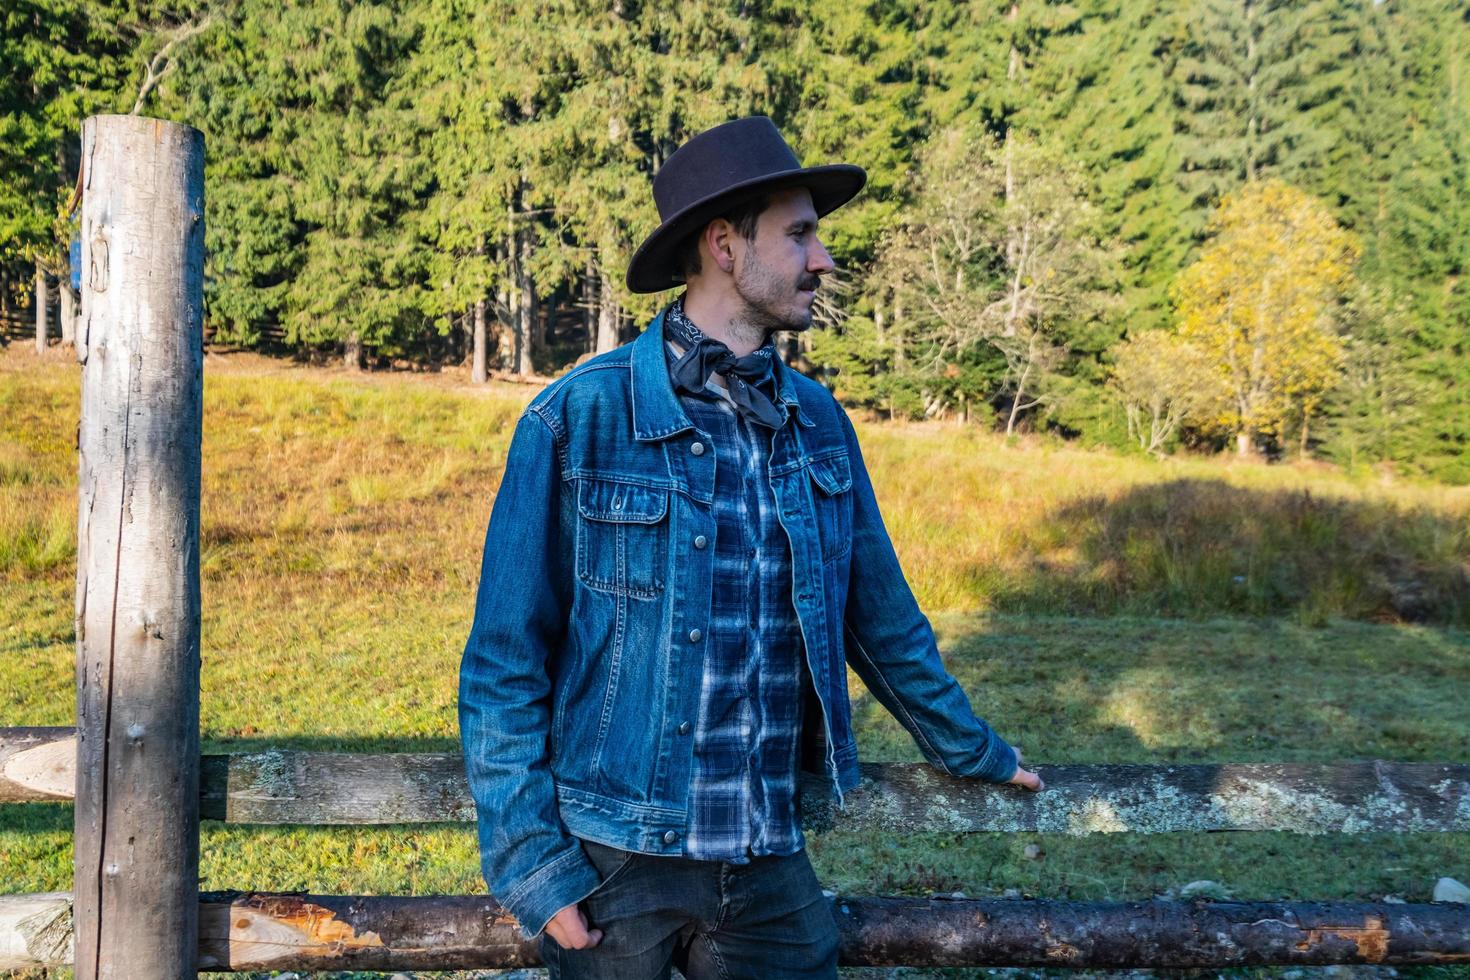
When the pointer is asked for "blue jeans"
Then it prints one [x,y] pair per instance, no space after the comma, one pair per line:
[765,920]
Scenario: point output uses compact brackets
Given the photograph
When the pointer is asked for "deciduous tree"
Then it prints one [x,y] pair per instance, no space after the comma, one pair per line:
[1261,302]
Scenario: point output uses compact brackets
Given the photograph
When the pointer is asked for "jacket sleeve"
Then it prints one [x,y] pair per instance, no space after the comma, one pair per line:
[891,646]
[533,866]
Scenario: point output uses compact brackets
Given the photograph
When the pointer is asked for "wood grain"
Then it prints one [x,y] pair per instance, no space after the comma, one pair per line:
[260,931]
[141,345]
[289,787]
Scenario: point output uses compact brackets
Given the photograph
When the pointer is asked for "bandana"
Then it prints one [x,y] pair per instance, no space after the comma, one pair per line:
[750,377]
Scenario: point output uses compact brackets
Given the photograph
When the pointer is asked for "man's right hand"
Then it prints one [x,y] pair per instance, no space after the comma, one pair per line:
[569,928]
[1022,778]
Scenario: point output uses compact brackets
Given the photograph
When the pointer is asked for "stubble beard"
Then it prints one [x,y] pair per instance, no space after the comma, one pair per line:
[761,293]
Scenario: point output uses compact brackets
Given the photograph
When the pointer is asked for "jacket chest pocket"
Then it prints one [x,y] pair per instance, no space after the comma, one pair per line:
[622,537]
[832,499]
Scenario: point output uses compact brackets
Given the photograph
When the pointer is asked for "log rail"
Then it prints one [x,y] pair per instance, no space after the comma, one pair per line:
[242,931]
[347,788]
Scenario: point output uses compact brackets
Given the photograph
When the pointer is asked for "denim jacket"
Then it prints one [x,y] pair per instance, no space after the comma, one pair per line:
[581,677]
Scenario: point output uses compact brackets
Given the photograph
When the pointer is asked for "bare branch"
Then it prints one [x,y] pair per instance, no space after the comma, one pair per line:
[160,66]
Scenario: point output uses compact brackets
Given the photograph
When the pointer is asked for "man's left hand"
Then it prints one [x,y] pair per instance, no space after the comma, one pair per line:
[1025,779]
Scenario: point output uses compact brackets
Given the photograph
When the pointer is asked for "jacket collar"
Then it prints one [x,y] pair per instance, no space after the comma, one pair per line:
[657,412]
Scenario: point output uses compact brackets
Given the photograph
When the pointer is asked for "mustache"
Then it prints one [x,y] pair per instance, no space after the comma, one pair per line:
[809,283]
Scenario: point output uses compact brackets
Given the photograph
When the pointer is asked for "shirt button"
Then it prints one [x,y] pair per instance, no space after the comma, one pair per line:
[684,727]
[695,636]
[697,449]
[670,836]
[701,541]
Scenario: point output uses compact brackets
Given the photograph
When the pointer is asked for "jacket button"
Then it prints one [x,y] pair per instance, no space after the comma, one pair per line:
[684,727]
[670,836]
[695,636]
[701,541]
[697,449]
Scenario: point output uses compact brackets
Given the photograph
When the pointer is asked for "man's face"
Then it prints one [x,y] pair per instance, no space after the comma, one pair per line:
[777,274]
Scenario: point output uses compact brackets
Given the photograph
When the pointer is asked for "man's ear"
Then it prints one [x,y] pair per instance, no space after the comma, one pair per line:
[718,239]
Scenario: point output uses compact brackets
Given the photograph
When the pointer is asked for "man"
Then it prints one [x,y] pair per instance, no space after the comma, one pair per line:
[684,555]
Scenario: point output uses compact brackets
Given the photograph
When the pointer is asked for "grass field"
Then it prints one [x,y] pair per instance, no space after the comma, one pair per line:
[1097,608]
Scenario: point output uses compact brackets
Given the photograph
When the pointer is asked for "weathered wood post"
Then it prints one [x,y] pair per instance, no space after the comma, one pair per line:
[42,312]
[141,347]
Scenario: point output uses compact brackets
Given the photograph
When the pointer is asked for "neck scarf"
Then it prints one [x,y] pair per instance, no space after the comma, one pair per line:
[751,377]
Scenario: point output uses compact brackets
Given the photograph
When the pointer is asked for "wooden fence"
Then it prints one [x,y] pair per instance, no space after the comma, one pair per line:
[134,772]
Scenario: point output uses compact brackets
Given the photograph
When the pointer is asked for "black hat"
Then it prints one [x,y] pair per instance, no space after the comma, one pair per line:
[718,169]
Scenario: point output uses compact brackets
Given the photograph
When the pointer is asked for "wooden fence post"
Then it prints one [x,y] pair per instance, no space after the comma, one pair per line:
[141,347]
[42,312]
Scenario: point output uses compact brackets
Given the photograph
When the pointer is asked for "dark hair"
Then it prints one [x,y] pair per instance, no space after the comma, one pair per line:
[744,216]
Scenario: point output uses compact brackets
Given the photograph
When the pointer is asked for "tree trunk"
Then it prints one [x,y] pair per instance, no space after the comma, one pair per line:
[1243,445]
[608,315]
[504,327]
[478,374]
[524,291]
[1016,402]
[42,313]
[68,304]
[591,303]
[137,606]
[899,359]
[352,357]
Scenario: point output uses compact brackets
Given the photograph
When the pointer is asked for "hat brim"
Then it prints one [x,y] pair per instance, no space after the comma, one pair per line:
[652,270]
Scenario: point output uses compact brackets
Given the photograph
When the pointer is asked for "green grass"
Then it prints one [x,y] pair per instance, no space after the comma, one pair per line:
[1098,608]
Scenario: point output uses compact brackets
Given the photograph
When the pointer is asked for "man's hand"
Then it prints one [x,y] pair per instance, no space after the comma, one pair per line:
[569,928]
[1022,778]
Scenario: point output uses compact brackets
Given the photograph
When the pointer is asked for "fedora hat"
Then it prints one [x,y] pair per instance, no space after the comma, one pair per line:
[713,172]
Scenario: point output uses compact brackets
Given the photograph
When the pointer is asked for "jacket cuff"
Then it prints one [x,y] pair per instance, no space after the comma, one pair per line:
[998,764]
[551,888]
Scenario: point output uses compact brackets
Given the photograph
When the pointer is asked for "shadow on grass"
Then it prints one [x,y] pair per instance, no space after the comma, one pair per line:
[1085,689]
[1203,547]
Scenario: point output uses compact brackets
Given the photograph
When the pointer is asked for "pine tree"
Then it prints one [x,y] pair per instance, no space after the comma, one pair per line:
[60,61]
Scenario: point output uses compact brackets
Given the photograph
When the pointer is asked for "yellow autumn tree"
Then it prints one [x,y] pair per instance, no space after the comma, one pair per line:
[1260,304]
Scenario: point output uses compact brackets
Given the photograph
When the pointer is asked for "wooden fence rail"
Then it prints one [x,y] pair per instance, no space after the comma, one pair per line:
[289,787]
[257,931]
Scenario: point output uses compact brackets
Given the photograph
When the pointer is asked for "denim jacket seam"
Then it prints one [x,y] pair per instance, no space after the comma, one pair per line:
[907,719]
[557,434]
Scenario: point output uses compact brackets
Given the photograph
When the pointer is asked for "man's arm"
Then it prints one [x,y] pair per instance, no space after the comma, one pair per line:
[891,646]
[532,865]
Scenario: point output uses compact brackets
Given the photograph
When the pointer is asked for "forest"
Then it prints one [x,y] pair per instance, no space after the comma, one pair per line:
[1195,225]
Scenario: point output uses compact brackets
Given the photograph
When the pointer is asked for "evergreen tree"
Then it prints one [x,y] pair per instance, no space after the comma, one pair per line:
[60,61]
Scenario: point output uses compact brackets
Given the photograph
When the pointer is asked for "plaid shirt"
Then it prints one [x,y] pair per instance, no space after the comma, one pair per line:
[743,785]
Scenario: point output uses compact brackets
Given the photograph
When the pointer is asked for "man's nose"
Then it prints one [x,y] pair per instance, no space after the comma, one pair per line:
[819,260]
